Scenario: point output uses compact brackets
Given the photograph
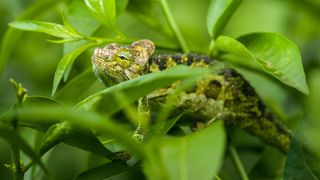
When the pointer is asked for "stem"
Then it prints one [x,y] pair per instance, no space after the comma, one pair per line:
[18,172]
[173,25]
[211,47]
[237,162]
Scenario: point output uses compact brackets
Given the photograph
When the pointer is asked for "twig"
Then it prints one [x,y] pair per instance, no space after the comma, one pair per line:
[237,162]
[173,25]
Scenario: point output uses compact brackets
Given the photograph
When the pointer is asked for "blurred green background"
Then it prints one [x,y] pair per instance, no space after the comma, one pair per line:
[33,62]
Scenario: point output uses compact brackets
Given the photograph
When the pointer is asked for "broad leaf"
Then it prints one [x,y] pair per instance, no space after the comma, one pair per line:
[103,171]
[52,29]
[195,156]
[296,166]
[279,57]
[106,102]
[219,12]
[273,53]
[66,62]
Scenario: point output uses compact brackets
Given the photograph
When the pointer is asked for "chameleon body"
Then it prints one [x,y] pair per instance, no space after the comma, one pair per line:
[224,94]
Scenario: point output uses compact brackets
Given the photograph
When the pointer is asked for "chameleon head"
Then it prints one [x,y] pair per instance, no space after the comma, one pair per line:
[115,63]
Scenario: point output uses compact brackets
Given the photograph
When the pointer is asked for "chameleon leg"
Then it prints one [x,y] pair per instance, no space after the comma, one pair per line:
[144,123]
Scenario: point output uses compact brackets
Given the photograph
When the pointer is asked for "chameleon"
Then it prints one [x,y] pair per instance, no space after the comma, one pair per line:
[224,94]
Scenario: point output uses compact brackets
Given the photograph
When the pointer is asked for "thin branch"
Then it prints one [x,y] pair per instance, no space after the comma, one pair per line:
[173,25]
[237,162]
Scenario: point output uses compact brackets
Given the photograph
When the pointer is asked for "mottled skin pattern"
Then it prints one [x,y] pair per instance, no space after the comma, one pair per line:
[224,94]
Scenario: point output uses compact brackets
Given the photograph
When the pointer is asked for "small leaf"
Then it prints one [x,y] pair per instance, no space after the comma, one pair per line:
[13,138]
[219,12]
[66,62]
[103,171]
[279,57]
[106,102]
[52,29]
[296,166]
[195,156]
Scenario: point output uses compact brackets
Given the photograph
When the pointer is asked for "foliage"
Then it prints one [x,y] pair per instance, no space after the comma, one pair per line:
[88,123]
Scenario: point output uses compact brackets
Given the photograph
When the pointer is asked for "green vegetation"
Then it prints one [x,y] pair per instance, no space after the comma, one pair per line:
[57,121]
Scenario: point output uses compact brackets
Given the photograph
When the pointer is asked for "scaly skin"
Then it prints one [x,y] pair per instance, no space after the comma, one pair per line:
[224,94]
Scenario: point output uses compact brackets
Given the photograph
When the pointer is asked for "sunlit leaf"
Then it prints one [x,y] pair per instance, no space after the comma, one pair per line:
[278,56]
[273,53]
[195,156]
[66,62]
[219,12]
[103,10]
[52,29]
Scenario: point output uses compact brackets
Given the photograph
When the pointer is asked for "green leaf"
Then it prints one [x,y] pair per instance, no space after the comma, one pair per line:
[103,10]
[37,123]
[73,135]
[11,36]
[121,6]
[12,138]
[195,156]
[279,57]
[66,62]
[84,119]
[95,9]
[52,29]
[106,102]
[231,50]
[72,94]
[219,12]
[296,166]
[82,21]
[103,171]
[272,52]
[109,10]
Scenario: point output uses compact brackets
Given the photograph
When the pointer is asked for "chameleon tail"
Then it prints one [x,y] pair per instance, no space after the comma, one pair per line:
[272,131]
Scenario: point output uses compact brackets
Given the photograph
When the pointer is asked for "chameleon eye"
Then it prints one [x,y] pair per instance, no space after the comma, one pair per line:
[122,57]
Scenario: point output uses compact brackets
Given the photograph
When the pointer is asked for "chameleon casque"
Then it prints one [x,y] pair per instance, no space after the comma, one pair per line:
[224,94]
